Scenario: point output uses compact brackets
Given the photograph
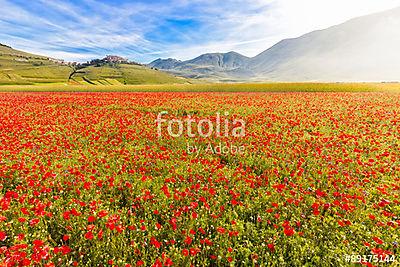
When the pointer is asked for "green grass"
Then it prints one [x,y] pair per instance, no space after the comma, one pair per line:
[236,87]
[124,74]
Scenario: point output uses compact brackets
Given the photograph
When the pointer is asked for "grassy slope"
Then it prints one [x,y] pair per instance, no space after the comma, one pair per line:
[241,87]
[17,67]
[20,68]
[124,74]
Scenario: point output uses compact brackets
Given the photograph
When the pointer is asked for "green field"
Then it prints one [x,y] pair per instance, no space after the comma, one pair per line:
[225,87]
[86,180]
[123,74]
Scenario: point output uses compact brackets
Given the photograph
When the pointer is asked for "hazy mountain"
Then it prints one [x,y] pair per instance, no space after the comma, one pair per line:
[169,63]
[362,49]
[221,66]
[228,61]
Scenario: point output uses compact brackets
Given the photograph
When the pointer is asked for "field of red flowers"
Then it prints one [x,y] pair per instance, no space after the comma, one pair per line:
[86,181]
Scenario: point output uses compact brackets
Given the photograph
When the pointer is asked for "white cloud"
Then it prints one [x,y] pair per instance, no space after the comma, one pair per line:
[252,33]
[246,26]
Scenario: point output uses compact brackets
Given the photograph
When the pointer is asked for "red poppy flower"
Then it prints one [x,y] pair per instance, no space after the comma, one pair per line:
[185,252]
[3,236]
[377,240]
[289,231]
[89,235]
[188,240]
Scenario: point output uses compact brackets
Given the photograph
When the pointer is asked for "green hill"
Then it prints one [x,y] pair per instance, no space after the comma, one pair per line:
[122,74]
[17,67]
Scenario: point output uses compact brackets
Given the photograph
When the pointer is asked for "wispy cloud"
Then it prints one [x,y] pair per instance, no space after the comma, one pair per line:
[144,30]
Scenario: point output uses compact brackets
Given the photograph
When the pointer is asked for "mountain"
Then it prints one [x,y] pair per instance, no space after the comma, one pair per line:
[361,49]
[228,61]
[18,67]
[220,66]
[165,64]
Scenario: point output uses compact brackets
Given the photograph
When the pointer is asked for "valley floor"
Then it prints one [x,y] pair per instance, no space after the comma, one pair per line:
[197,86]
[85,179]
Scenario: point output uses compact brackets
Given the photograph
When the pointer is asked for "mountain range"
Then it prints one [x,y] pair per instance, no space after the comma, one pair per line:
[362,49]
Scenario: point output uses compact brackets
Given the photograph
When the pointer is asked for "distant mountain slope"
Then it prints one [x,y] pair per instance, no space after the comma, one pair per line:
[165,64]
[227,61]
[213,65]
[17,67]
[362,49]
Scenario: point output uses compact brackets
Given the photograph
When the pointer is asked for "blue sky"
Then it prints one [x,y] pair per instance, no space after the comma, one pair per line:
[79,30]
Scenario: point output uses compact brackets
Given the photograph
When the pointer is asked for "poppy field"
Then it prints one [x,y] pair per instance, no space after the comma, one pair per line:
[86,180]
